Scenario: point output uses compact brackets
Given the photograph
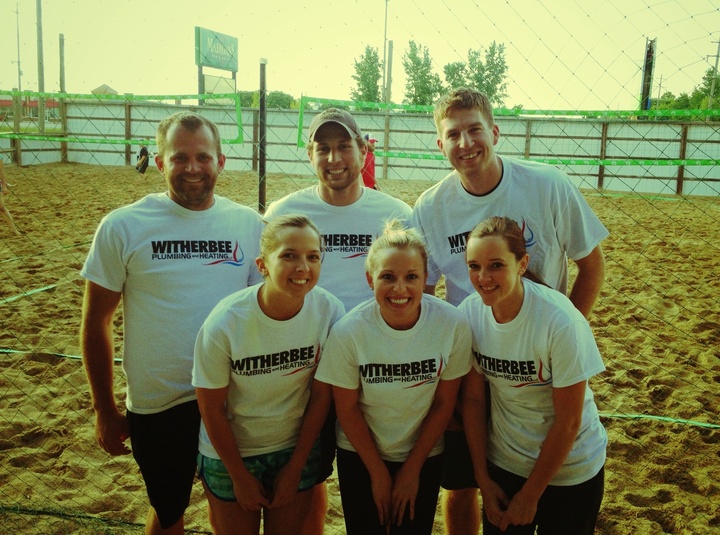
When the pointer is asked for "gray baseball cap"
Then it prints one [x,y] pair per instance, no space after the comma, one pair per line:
[334,115]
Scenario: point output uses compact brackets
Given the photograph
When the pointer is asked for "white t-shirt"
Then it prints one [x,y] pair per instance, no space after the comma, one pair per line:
[172,266]
[548,345]
[348,232]
[557,222]
[397,372]
[268,365]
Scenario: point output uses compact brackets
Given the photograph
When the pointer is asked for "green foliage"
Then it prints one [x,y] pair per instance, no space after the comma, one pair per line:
[423,86]
[456,75]
[698,99]
[485,72]
[489,76]
[246,98]
[279,100]
[682,102]
[273,99]
[368,72]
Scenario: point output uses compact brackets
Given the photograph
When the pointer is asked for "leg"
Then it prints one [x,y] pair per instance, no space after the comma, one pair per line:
[228,518]
[5,213]
[460,500]
[425,501]
[511,485]
[165,447]
[317,510]
[461,511]
[361,515]
[579,504]
[153,527]
[315,517]
[286,519]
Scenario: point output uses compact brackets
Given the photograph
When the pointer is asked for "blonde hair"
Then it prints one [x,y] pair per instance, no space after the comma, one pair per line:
[396,235]
[462,98]
[269,237]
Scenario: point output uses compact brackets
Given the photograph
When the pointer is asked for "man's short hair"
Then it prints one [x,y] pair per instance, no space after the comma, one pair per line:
[462,98]
[189,121]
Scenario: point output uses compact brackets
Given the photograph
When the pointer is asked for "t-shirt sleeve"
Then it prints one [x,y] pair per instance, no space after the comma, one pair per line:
[211,365]
[404,213]
[338,311]
[105,264]
[574,355]
[339,364]
[582,230]
[460,360]
[432,268]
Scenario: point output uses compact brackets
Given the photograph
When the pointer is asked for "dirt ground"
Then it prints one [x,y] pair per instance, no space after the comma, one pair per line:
[657,323]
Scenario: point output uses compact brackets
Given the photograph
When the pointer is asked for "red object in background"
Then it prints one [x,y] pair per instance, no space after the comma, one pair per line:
[368,170]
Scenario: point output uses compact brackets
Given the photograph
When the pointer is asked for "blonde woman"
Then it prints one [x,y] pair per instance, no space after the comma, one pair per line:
[395,363]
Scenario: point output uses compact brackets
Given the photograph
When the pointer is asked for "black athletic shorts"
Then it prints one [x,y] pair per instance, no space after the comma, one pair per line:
[457,466]
[571,510]
[360,511]
[165,447]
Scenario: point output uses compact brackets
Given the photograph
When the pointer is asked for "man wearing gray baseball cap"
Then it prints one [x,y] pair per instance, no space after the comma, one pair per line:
[349,217]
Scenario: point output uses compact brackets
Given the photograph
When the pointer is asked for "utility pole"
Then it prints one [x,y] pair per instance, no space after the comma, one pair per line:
[715,75]
[17,19]
[657,102]
[384,96]
[41,68]
[388,97]
[62,103]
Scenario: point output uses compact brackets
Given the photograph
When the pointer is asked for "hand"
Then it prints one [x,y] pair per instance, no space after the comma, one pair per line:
[520,512]
[111,431]
[382,495]
[250,493]
[404,493]
[495,502]
[286,486]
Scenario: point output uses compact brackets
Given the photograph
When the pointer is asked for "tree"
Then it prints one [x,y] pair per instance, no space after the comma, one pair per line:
[698,99]
[273,99]
[367,75]
[279,100]
[456,75]
[682,102]
[423,86]
[711,83]
[664,101]
[246,98]
[489,76]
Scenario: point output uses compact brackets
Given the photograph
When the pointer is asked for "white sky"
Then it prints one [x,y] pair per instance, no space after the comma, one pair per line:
[561,54]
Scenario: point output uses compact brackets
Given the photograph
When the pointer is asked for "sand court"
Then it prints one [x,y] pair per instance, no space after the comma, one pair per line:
[657,323]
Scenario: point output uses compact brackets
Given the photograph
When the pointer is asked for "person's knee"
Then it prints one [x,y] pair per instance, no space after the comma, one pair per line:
[168,525]
[461,498]
[461,512]
[317,511]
